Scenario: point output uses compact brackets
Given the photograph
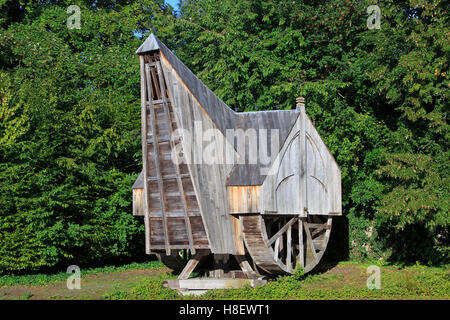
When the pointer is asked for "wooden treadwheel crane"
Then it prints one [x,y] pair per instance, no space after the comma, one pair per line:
[199,208]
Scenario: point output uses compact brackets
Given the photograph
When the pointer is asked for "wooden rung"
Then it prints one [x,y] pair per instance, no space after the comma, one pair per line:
[162,141]
[167,194]
[160,101]
[179,247]
[169,176]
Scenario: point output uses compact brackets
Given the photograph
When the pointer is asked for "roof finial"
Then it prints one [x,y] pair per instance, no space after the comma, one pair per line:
[300,103]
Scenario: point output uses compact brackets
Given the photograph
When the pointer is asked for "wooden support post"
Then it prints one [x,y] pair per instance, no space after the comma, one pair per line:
[300,243]
[277,248]
[310,241]
[221,265]
[288,247]
[144,133]
[245,266]
[190,266]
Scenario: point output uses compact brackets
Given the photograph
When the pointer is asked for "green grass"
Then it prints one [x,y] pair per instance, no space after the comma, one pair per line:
[415,282]
[39,279]
[149,289]
[345,281]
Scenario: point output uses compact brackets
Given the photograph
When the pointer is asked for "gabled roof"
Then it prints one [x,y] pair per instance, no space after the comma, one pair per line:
[150,44]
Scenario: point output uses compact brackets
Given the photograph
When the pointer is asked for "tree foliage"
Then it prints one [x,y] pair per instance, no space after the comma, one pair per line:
[69,129]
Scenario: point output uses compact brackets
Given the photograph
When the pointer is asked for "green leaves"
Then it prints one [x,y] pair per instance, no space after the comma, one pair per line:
[377,97]
[70,115]
[69,133]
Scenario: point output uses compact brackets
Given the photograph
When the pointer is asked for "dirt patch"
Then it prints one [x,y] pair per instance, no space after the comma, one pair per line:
[93,286]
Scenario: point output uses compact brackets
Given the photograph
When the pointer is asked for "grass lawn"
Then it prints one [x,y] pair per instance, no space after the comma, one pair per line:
[345,280]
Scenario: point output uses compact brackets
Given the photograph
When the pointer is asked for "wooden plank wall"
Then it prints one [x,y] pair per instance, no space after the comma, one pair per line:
[324,175]
[281,191]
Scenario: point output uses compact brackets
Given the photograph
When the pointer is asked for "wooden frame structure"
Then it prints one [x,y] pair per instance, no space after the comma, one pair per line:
[273,213]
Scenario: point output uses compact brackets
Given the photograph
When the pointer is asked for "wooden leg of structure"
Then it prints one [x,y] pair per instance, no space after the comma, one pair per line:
[221,265]
[245,266]
[190,266]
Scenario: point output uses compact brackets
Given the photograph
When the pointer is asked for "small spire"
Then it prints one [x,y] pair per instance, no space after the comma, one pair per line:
[300,103]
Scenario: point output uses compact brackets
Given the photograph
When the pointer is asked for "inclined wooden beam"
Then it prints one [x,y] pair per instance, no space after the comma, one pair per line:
[190,266]
[177,167]
[289,247]
[144,133]
[281,231]
[300,243]
[157,160]
[245,266]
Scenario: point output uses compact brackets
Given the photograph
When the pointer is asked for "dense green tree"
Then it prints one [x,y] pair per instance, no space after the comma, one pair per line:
[69,114]
[69,134]
[378,97]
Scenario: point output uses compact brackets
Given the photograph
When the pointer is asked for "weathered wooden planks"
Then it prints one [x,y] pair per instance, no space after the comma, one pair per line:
[163,192]
[243,199]
[193,197]
[305,177]
[208,179]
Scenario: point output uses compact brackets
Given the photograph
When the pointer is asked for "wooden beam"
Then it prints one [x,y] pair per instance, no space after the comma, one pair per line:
[300,243]
[277,249]
[158,90]
[190,266]
[245,266]
[288,249]
[157,162]
[281,231]
[320,229]
[144,133]
[179,247]
[303,165]
[308,235]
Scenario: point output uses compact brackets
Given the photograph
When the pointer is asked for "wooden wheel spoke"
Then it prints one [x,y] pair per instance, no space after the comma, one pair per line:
[287,243]
[309,240]
[281,231]
[288,246]
[300,242]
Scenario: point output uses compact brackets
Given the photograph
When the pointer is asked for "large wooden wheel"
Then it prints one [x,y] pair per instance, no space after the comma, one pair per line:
[280,244]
